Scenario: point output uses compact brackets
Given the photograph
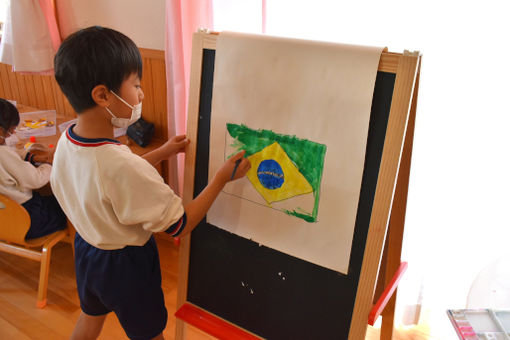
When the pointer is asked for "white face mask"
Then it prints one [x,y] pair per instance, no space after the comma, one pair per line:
[11,139]
[136,113]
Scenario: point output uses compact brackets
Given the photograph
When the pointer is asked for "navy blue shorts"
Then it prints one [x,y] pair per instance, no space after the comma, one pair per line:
[126,281]
[46,216]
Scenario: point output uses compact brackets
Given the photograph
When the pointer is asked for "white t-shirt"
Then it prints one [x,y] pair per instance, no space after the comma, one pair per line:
[113,197]
[18,177]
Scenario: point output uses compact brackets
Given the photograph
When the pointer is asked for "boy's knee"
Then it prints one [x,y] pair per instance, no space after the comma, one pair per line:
[158,337]
[88,327]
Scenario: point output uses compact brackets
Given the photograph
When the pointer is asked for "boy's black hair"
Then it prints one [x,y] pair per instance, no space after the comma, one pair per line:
[94,56]
[9,115]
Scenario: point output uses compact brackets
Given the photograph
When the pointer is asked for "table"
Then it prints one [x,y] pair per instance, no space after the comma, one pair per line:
[135,148]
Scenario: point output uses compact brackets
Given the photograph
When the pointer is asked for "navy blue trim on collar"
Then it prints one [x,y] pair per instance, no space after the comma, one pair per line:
[88,142]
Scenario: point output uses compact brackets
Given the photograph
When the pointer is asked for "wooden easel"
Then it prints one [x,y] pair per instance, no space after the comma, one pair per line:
[388,210]
[392,269]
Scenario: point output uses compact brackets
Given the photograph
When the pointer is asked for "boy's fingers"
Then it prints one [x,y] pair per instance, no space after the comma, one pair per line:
[243,168]
[182,143]
[246,165]
[238,156]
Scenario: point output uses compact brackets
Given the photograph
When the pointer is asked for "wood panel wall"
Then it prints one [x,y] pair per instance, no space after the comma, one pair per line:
[43,92]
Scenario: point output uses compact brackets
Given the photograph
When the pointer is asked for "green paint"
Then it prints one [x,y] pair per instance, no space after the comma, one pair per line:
[306,217]
[306,155]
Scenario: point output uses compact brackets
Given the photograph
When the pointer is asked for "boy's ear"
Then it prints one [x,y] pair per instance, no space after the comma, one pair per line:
[101,95]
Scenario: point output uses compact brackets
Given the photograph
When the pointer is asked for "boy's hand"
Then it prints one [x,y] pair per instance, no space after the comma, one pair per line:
[224,174]
[172,147]
[198,207]
[175,145]
[42,154]
[43,158]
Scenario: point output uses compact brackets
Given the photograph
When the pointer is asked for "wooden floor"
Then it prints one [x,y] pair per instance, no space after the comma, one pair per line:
[20,319]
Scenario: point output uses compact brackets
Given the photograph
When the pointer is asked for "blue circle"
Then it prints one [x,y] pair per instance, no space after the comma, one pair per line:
[270,174]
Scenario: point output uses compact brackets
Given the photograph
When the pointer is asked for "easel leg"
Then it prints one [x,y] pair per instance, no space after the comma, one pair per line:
[180,329]
[393,244]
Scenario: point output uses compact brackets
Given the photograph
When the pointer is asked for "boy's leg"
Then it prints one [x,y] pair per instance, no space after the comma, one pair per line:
[135,294]
[46,216]
[93,311]
[88,327]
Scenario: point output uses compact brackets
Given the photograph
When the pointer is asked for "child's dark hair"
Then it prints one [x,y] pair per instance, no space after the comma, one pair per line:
[9,115]
[94,56]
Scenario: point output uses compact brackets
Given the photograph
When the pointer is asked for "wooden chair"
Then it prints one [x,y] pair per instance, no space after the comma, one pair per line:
[14,225]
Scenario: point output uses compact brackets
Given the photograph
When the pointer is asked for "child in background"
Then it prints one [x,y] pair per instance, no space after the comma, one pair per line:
[19,176]
[115,199]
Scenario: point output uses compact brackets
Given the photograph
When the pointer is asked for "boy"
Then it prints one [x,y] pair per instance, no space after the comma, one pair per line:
[115,199]
[21,174]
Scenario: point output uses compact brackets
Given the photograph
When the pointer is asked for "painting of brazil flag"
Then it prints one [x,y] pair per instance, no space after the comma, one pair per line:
[286,171]
[301,111]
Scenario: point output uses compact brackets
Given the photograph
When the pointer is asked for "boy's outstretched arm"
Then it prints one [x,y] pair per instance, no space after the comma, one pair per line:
[172,147]
[197,208]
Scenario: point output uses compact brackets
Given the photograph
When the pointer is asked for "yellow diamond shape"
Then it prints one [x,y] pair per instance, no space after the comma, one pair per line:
[294,183]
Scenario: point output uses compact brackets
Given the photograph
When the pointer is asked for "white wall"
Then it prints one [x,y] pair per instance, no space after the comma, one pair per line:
[142,21]
[238,15]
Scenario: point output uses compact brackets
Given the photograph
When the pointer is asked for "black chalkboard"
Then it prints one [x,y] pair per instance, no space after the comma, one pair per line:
[269,293]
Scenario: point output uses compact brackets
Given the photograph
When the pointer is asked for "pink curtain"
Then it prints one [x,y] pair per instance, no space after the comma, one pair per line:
[264,16]
[183,18]
[31,36]
[48,9]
